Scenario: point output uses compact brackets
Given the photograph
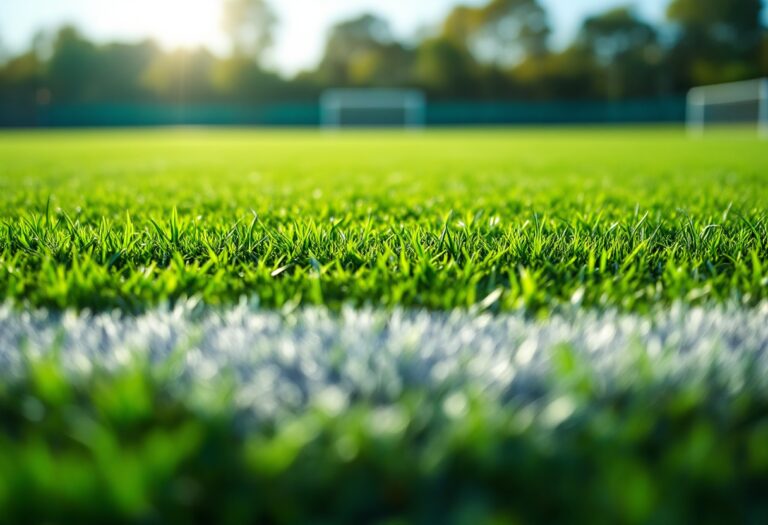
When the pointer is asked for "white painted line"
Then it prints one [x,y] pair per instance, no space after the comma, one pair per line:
[284,362]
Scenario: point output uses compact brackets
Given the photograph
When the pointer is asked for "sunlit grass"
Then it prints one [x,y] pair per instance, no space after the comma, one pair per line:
[529,326]
[441,220]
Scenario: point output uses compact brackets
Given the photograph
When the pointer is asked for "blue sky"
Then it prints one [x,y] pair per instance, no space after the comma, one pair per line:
[303,23]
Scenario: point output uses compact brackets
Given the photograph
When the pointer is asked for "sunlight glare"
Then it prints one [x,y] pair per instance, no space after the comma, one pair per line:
[185,24]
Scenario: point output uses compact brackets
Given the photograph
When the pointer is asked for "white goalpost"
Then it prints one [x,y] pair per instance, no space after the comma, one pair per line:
[732,103]
[373,108]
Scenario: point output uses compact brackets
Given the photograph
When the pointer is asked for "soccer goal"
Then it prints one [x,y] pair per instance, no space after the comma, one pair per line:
[373,108]
[734,103]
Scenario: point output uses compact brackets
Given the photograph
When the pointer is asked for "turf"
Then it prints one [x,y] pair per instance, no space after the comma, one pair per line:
[497,218]
[236,415]
[496,326]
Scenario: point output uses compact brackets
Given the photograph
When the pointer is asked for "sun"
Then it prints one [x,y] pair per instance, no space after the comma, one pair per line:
[184,23]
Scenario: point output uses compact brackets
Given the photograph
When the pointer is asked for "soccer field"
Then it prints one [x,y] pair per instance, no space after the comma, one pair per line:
[491,326]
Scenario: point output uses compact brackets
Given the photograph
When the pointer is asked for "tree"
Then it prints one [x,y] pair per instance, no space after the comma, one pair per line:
[502,32]
[21,81]
[242,80]
[461,25]
[446,69]
[764,55]
[73,67]
[363,51]
[250,25]
[182,76]
[120,70]
[617,33]
[625,49]
[513,30]
[718,40]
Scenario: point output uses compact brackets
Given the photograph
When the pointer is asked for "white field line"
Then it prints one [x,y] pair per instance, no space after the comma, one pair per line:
[275,362]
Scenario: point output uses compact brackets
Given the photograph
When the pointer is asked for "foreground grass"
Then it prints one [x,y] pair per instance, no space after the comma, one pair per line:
[122,450]
[245,416]
[507,218]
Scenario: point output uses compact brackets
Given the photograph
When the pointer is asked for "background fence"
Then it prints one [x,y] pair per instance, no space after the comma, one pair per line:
[308,114]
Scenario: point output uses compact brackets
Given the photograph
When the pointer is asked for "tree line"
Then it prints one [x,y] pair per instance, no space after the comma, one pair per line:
[499,50]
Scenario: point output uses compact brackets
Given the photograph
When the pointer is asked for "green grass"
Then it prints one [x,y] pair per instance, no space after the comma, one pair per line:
[624,217]
[523,220]
[121,450]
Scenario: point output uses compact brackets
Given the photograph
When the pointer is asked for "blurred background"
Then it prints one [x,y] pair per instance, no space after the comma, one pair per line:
[264,62]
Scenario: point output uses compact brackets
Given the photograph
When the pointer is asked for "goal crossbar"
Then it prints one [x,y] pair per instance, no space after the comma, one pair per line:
[723,94]
[411,102]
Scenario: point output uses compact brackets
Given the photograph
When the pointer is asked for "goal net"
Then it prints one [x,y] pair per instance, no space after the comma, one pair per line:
[735,103]
[372,108]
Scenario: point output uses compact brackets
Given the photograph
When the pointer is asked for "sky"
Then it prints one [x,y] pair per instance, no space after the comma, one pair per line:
[302,28]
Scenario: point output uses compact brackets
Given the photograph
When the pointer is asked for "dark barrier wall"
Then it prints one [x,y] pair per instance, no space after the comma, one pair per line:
[629,111]
[308,114]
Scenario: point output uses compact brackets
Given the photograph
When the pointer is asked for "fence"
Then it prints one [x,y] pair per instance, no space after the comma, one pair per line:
[308,114]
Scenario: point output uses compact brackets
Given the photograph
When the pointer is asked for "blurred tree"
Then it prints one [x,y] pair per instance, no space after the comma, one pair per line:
[445,68]
[250,25]
[502,32]
[718,40]
[626,51]
[182,76]
[240,79]
[120,70]
[513,30]
[764,55]
[461,24]
[21,80]
[73,67]
[478,48]
[79,71]
[569,74]
[42,43]
[495,50]
[363,52]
